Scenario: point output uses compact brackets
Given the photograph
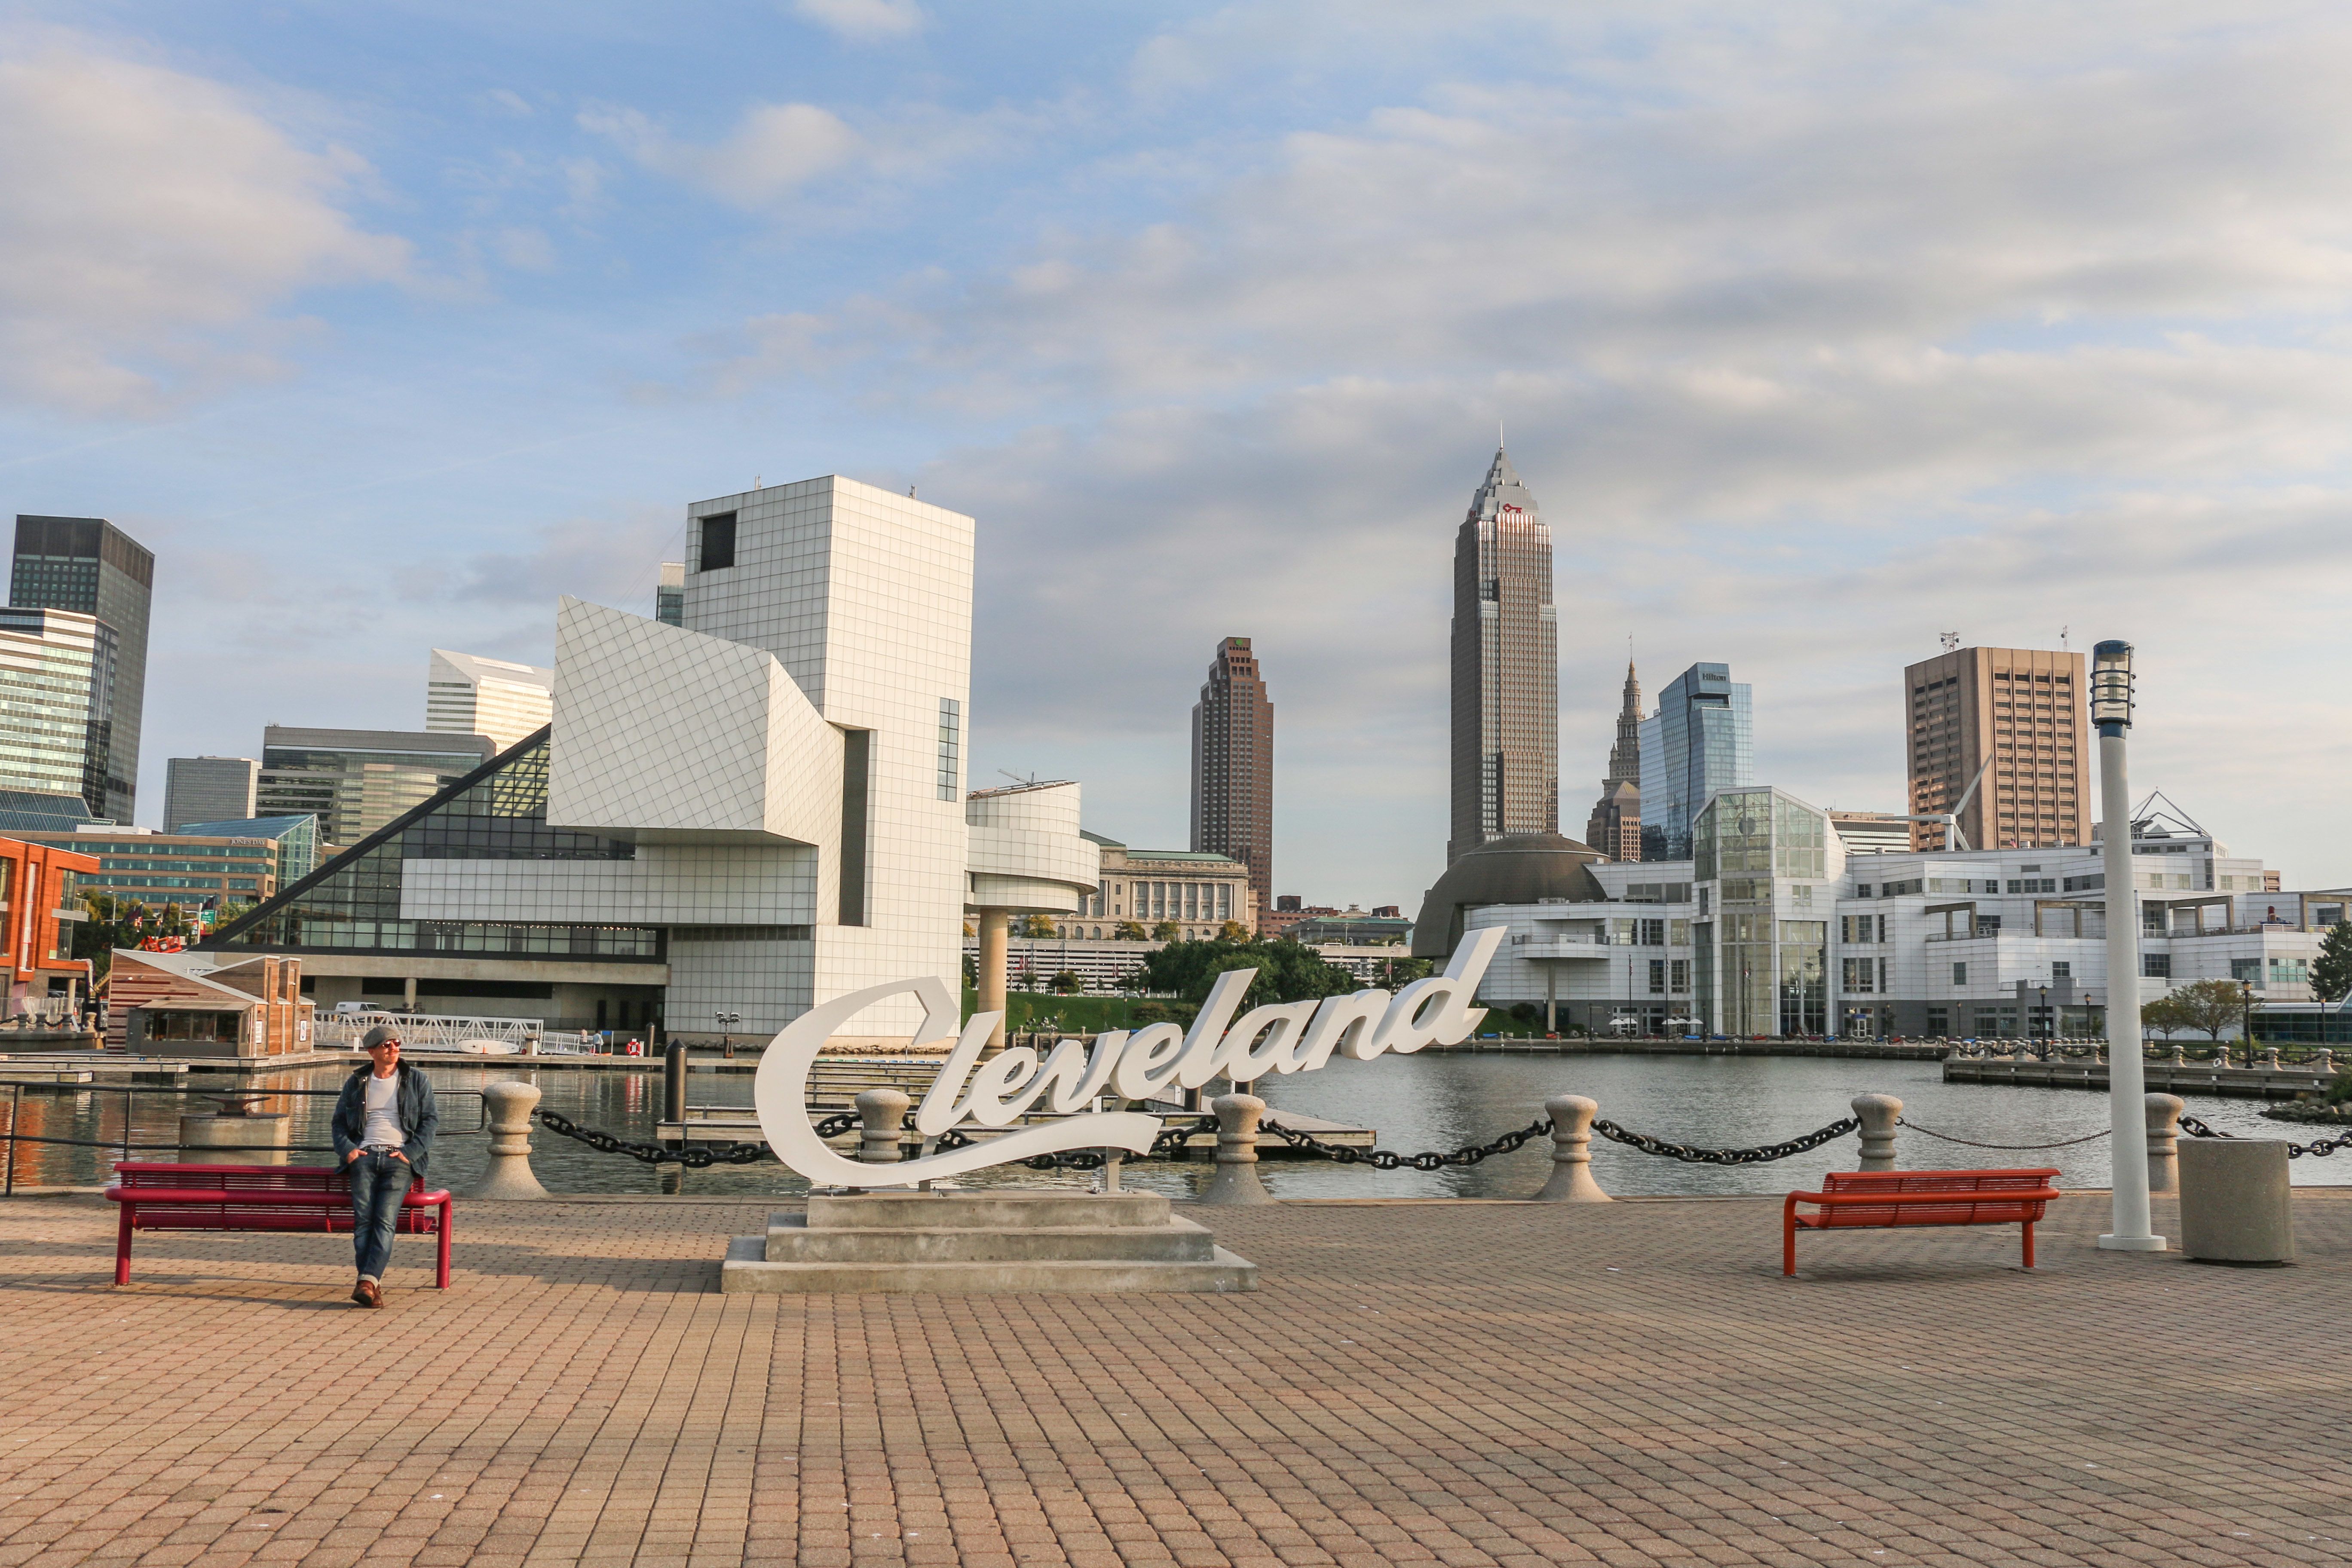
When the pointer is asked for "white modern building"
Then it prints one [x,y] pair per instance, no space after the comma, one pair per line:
[467,694]
[743,813]
[1773,929]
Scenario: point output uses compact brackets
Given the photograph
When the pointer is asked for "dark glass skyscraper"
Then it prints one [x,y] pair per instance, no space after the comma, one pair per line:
[1233,767]
[87,565]
[1699,741]
[1506,667]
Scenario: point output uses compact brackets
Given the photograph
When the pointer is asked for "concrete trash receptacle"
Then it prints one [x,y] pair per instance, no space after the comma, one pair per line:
[2236,1204]
[229,1139]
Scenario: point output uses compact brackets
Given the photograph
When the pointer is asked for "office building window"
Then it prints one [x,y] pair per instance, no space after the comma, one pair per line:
[2156,965]
[2246,971]
[718,551]
[1678,976]
[2062,970]
[1959,974]
[1658,977]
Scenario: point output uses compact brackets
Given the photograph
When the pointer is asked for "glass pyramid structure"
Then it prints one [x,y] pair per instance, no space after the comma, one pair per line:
[497,812]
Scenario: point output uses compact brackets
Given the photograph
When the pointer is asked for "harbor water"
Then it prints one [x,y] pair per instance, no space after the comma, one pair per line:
[1415,1103]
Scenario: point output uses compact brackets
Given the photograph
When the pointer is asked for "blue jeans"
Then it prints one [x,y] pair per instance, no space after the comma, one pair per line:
[379,1182]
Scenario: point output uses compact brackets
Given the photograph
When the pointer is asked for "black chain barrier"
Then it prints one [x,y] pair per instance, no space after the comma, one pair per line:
[693,1156]
[1756,1156]
[1970,1142]
[1388,1160]
[2320,1149]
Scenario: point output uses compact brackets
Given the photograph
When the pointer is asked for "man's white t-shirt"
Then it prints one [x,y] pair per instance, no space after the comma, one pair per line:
[382,1129]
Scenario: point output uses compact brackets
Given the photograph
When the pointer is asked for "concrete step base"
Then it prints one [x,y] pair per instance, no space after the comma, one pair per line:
[998,1210]
[964,1243]
[792,1239]
[746,1269]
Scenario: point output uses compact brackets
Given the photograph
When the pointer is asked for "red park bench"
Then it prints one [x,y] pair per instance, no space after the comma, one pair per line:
[255,1197]
[1879,1200]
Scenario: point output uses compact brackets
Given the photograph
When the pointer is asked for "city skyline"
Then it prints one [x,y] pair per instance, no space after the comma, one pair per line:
[1053,273]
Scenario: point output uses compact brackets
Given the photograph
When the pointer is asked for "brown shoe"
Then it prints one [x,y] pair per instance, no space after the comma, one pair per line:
[366,1294]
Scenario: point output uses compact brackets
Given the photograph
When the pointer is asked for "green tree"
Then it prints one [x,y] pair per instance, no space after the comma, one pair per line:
[1038,926]
[2210,1006]
[2331,972]
[1232,930]
[1067,982]
[1396,971]
[1167,931]
[1128,930]
[1287,971]
[2164,1016]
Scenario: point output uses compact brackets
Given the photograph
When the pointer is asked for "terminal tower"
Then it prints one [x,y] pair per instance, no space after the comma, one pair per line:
[1505,772]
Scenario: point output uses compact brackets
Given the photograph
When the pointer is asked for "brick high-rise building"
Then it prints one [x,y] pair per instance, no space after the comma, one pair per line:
[2023,710]
[1233,767]
[1615,826]
[1506,763]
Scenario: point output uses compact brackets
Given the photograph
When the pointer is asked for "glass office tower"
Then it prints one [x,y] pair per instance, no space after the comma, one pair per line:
[1699,741]
[91,567]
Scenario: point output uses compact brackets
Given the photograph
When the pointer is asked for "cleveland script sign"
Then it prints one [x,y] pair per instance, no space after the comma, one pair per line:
[1280,1037]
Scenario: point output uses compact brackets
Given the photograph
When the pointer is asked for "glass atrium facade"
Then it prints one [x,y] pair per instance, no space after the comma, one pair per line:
[1763,960]
[498,812]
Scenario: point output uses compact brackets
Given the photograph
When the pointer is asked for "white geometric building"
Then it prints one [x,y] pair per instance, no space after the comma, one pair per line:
[748,813]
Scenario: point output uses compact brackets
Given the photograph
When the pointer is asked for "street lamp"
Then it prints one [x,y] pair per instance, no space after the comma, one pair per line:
[2111,711]
[727,1022]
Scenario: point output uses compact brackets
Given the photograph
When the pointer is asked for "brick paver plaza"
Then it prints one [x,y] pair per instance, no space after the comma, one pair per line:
[1453,1383]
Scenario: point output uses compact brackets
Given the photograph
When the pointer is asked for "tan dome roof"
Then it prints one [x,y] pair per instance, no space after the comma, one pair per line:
[1525,869]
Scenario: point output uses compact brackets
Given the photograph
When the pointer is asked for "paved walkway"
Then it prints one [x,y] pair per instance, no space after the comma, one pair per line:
[1456,1383]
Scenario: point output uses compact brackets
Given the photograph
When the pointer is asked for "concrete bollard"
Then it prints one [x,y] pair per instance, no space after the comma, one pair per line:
[508,1174]
[1572,1151]
[2164,1141]
[884,1113]
[1877,1113]
[2270,1058]
[2322,1062]
[1236,1179]
[2180,1055]
[2236,1203]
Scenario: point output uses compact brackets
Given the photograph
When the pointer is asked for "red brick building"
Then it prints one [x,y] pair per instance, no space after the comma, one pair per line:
[36,885]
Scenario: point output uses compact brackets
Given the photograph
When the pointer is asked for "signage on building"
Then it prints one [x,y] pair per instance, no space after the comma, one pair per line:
[969,1093]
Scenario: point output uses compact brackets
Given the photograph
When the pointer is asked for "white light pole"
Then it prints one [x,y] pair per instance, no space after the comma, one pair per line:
[2111,711]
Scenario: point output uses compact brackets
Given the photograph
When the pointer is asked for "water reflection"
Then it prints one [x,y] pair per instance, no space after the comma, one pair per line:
[1420,1103]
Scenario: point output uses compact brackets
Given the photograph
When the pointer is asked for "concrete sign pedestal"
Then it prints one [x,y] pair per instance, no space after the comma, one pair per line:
[968,1243]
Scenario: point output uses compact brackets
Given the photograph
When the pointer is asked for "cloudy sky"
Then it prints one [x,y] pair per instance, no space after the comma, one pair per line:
[1820,329]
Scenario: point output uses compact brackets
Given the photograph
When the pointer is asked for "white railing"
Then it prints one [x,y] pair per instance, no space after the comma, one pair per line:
[340,1031]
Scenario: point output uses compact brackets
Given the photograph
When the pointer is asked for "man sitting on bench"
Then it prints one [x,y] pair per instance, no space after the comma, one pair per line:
[384,1127]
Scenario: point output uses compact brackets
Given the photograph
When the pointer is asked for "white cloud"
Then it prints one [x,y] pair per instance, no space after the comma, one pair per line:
[1817,336]
[863,21]
[774,149]
[150,222]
